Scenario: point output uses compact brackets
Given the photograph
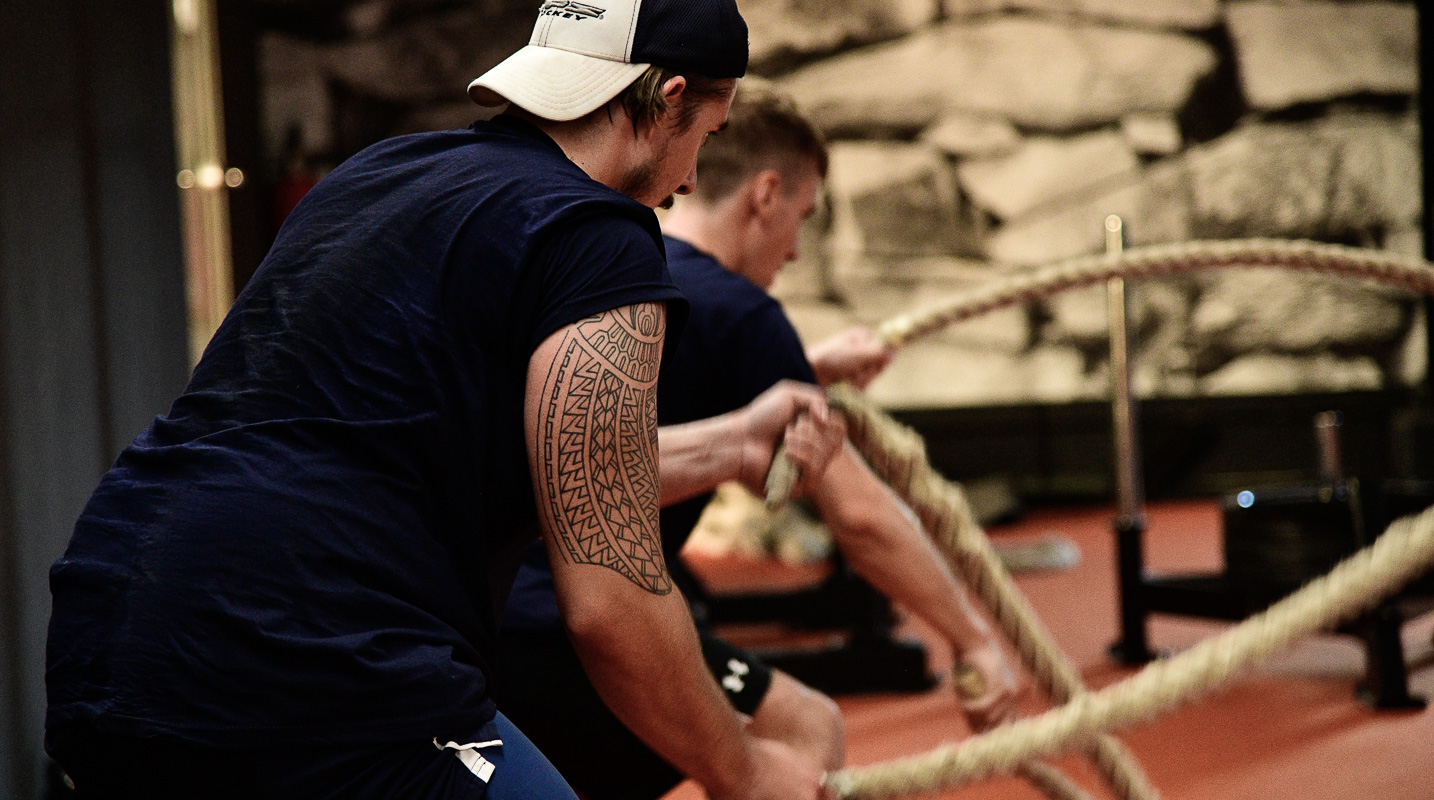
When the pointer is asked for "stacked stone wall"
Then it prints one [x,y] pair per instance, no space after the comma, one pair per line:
[976,138]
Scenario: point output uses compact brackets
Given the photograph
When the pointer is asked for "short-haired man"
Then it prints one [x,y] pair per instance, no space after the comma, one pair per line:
[289,585]
[726,244]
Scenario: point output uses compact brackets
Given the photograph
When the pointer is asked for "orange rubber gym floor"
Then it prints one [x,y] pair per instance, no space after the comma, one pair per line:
[1290,728]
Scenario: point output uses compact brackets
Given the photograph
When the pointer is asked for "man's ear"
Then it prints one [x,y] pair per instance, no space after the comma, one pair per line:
[766,189]
[672,94]
[673,89]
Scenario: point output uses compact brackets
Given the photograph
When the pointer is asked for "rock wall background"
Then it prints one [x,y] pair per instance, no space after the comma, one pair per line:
[974,138]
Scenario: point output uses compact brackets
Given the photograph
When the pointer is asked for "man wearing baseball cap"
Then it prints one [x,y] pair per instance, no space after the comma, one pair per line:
[726,243]
[288,586]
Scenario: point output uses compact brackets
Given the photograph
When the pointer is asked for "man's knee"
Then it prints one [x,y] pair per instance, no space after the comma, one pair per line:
[804,718]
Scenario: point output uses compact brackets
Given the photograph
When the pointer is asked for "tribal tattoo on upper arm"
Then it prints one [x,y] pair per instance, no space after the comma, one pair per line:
[597,444]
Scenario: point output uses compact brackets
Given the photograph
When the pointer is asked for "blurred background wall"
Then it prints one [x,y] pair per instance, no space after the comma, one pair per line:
[976,137]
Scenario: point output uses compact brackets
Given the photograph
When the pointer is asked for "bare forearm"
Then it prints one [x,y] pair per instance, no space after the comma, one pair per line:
[696,457]
[884,544]
[665,694]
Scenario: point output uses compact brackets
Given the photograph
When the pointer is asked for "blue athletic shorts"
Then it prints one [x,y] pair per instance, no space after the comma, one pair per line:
[521,772]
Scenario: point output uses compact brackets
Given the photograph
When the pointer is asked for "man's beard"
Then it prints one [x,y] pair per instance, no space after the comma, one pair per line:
[637,183]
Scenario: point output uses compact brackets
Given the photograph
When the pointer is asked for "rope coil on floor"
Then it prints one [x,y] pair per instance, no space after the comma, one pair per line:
[898,455]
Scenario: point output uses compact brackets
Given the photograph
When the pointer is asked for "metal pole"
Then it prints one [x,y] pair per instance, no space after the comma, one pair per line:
[1129,489]
[1426,87]
[199,145]
[1331,460]
[1133,646]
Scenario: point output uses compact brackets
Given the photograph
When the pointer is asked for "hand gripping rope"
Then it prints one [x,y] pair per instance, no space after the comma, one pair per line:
[1083,719]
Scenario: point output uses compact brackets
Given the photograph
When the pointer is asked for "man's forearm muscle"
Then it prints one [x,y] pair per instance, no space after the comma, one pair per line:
[598,442]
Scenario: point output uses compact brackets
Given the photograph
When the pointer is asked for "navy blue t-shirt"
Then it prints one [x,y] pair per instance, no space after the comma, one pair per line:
[737,344]
[314,545]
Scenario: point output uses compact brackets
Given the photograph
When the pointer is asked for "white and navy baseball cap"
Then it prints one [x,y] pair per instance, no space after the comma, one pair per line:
[583,54]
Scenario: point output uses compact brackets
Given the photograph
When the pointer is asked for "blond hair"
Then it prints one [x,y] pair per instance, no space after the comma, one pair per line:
[765,130]
[645,104]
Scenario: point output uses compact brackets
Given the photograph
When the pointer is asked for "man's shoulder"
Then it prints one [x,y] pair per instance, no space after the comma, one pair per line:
[728,313]
[707,283]
[486,157]
[523,183]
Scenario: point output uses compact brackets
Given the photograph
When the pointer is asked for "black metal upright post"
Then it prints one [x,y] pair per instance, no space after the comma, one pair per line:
[1133,646]
[1426,83]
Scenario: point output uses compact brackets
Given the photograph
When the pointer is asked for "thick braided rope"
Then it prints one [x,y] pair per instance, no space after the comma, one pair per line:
[1412,274]
[1405,550]
[898,455]
[971,553]
[1052,781]
[1172,259]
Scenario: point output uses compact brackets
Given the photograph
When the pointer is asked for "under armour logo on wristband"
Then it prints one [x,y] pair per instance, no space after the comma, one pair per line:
[733,681]
[568,9]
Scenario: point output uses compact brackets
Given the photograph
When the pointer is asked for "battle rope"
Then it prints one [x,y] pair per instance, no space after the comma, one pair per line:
[1145,262]
[898,454]
[1401,553]
[1172,259]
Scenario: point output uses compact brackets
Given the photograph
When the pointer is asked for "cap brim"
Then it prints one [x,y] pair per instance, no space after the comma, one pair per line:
[554,84]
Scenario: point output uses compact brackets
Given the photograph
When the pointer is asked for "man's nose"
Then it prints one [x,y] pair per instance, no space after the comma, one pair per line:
[689,184]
